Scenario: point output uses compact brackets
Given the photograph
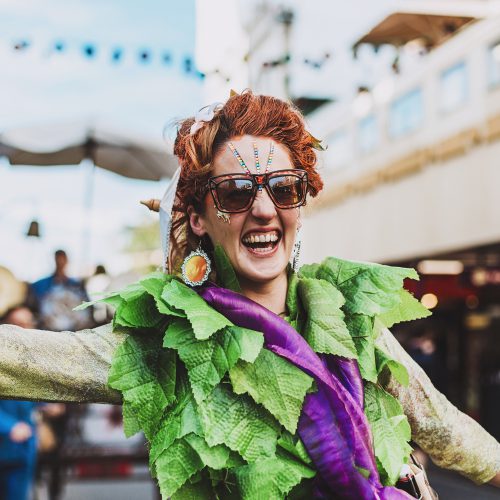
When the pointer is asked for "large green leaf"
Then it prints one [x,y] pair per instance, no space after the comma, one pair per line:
[145,374]
[199,490]
[175,466]
[407,309]
[271,478]
[294,446]
[239,423]
[361,329]
[398,371]
[131,424]
[370,289]
[207,361]
[275,383]
[309,271]
[325,329]
[177,422]
[226,276]
[154,284]
[140,311]
[204,320]
[391,432]
[215,457]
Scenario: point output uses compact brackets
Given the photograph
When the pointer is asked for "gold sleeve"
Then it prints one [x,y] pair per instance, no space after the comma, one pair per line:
[40,365]
[452,439]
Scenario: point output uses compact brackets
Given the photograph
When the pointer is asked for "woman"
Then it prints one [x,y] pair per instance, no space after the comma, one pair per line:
[233,400]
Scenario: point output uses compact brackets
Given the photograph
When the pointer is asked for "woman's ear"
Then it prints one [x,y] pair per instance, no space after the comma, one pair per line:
[196,222]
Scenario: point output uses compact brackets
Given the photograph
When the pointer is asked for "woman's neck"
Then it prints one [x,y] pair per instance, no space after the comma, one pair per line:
[271,294]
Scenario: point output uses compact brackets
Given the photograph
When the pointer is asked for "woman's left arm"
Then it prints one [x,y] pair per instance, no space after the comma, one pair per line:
[452,439]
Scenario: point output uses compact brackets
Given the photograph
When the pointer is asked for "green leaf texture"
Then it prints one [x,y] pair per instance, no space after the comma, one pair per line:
[226,276]
[204,320]
[370,289]
[271,478]
[391,432]
[145,374]
[275,383]
[408,308]
[240,424]
[207,361]
[325,329]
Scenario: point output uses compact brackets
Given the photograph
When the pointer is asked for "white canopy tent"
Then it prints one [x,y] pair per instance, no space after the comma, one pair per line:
[71,143]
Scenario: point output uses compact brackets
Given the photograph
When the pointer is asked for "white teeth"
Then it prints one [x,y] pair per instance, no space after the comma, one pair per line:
[261,238]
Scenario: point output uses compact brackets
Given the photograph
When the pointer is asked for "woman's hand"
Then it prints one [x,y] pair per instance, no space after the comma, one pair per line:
[21,432]
[496,480]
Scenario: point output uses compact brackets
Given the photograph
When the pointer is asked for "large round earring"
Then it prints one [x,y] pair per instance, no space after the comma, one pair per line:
[196,267]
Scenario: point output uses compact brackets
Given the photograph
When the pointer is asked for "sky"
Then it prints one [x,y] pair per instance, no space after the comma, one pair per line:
[40,86]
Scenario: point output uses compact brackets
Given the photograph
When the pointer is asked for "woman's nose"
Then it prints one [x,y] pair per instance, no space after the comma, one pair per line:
[263,207]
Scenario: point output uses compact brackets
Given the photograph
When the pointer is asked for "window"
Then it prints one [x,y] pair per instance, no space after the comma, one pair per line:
[453,87]
[368,134]
[339,152]
[406,113]
[494,64]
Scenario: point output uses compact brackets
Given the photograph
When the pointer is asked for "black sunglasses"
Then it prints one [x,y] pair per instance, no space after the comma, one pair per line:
[234,193]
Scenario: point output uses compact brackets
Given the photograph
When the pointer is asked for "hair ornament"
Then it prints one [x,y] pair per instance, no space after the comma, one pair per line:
[316,143]
[204,115]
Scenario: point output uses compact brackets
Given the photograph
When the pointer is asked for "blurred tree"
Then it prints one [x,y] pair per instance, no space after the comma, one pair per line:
[143,244]
[143,237]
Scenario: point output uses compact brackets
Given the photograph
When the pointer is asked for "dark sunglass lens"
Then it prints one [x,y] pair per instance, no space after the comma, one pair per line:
[288,190]
[234,194]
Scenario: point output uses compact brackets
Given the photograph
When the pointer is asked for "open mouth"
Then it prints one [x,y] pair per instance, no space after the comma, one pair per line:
[261,242]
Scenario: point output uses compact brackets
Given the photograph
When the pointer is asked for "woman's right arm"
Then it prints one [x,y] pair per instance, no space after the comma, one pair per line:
[40,365]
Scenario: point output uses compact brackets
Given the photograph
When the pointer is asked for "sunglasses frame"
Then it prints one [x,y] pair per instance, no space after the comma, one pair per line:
[258,181]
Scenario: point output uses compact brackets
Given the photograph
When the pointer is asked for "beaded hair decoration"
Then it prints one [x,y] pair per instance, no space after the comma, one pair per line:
[244,166]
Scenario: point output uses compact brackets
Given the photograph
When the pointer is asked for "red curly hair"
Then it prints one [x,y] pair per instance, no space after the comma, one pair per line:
[242,114]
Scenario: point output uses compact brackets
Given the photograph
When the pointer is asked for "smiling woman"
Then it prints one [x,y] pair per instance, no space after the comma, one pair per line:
[265,381]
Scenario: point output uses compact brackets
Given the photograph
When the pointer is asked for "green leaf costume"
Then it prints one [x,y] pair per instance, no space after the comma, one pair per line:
[220,412]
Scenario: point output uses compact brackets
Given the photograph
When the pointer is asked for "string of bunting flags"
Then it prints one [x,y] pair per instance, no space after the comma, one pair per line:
[114,54]
[117,54]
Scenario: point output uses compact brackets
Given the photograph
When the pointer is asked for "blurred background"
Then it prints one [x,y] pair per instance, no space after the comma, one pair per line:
[404,94]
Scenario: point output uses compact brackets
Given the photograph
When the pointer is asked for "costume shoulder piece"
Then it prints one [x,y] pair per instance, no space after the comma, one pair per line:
[221,411]
[370,297]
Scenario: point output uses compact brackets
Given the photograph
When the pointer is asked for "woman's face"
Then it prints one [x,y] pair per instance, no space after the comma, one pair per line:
[253,260]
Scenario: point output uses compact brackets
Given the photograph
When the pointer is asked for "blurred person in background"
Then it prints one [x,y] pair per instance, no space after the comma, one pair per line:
[57,295]
[96,285]
[17,430]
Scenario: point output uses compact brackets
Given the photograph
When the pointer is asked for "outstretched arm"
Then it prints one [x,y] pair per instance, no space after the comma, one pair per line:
[452,439]
[40,365]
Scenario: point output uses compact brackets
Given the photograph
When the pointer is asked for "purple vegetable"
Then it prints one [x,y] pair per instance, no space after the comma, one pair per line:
[332,426]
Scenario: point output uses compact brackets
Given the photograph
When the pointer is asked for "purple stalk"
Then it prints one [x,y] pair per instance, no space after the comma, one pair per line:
[332,426]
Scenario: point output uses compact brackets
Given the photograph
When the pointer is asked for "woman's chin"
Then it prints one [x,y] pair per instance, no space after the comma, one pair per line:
[265,266]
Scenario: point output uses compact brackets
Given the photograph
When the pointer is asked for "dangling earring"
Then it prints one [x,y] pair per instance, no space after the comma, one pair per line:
[296,246]
[196,267]
[296,252]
